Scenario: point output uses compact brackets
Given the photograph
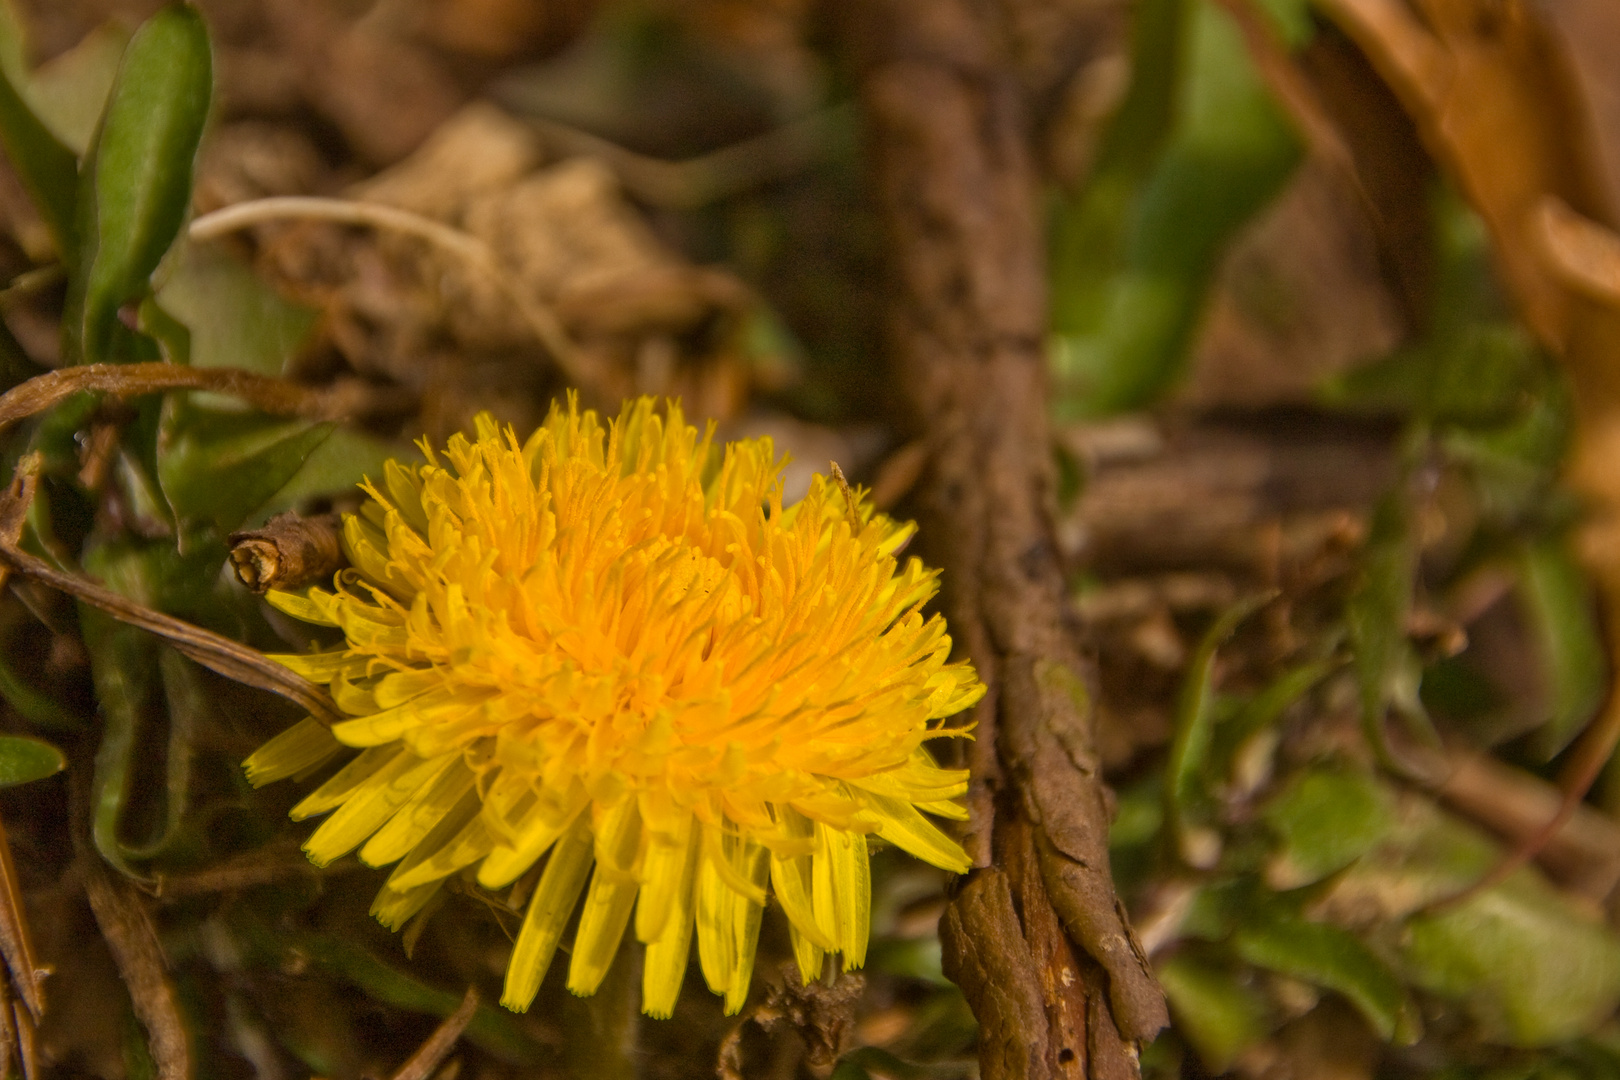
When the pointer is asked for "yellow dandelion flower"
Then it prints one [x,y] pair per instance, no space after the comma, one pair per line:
[616,646]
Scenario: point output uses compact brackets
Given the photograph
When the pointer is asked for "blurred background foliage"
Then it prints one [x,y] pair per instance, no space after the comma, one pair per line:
[1308,452]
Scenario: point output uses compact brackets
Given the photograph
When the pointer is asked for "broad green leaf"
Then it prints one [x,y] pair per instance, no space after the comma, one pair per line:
[1197,148]
[23,760]
[334,467]
[235,318]
[1426,855]
[1189,748]
[48,170]
[135,188]
[1216,1009]
[1090,230]
[1478,375]
[1333,959]
[171,335]
[220,466]
[1530,968]
[1325,818]
[70,92]
[1558,599]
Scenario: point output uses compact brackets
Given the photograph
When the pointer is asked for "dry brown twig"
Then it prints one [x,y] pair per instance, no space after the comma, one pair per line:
[132,940]
[15,944]
[1059,984]
[276,861]
[133,380]
[421,1064]
[213,651]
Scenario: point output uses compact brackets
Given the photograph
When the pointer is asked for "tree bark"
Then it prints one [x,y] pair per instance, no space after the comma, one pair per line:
[1035,935]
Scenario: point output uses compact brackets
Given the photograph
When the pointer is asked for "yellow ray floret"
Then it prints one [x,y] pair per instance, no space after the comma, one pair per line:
[614,649]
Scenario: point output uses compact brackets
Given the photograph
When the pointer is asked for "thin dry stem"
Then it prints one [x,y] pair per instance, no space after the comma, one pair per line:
[466,248]
[15,943]
[441,1042]
[133,942]
[132,380]
[214,652]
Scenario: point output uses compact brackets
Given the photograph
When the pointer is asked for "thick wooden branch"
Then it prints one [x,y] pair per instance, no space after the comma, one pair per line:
[1036,936]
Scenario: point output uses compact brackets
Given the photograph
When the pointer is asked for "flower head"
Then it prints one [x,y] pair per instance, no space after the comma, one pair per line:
[616,648]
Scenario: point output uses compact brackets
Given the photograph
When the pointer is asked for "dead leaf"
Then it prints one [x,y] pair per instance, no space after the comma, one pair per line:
[1582,254]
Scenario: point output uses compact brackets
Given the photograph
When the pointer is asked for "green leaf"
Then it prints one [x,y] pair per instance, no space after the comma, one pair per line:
[48,170]
[1215,1009]
[1325,818]
[13,42]
[123,663]
[1197,148]
[70,92]
[1387,668]
[220,467]
[1333,959]
[1529,967]
[136,185]
[1189,748]
[1291,19]
[135,470]
[913,958]
[235,318]
[1478,375]
[38,708]
[171,335]
[184,702]
[1268,706]
[1475,366]
[491,1029]
[868,1062]
[1558,599]
[337,465]
[24,760]
[148,695]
